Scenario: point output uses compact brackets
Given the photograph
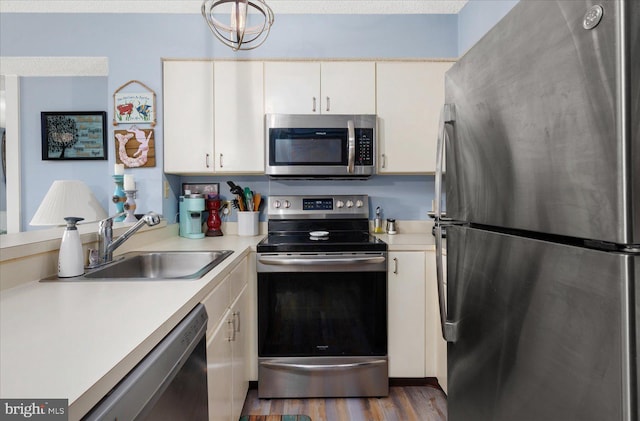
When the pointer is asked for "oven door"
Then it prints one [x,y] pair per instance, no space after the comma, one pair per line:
[322,325]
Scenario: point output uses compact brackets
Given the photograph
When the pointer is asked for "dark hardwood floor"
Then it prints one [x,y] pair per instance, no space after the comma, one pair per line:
[404,403]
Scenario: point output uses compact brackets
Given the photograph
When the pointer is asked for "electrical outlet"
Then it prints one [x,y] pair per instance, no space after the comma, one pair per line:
[226,208]
[166,189]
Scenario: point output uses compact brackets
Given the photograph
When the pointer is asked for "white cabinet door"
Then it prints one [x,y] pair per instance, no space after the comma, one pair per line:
[188,117]
[292,87]
[239,345]
[219,371]
[332,87]
[406,300]
[348,87]
[409,98]
[239,117]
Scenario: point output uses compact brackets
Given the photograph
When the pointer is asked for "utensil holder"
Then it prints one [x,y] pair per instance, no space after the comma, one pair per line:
[248,223]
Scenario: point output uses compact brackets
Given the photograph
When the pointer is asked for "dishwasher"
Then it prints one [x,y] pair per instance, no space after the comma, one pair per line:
[170,383]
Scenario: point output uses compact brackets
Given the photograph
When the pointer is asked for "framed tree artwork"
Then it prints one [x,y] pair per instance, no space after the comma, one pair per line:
[74,135]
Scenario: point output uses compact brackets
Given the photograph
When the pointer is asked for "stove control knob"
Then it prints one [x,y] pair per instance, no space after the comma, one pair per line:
[276,204]
[339,204]
[349,204]
[359,203]
[287,204]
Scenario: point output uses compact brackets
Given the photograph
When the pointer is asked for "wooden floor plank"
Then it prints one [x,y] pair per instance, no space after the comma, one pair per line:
[404,403]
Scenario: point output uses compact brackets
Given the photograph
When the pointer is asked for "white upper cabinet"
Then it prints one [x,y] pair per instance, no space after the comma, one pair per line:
[188,117]
[348,87]
[409,98]
[292,87]
[239,117]
[213,117]
[333,87]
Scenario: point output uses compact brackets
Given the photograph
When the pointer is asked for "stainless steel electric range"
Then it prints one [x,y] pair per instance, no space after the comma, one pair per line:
[322,300]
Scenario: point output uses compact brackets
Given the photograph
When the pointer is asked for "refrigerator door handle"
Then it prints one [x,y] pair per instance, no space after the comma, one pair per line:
[449,329]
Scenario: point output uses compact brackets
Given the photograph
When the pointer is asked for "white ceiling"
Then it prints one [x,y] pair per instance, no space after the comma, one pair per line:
[193,6]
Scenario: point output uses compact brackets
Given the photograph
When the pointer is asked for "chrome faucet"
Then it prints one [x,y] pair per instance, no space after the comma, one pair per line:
[106,245]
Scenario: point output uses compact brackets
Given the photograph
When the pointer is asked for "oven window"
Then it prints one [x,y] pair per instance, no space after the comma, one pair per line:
[322,314]
[307,146]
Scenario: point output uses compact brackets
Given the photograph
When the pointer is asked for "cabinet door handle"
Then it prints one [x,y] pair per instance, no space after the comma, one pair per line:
[314,104]
[206,160]
[328,103]
[236,315]
[221,164]
[384,160]
[232,330]
[395,265]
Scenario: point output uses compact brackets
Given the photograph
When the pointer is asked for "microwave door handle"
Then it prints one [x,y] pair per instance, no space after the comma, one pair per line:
[352,145]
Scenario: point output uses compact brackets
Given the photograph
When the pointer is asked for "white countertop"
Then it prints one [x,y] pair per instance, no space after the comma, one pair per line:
[76,340]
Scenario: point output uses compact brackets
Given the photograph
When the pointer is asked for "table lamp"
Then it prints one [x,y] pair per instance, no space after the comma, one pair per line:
[71,201]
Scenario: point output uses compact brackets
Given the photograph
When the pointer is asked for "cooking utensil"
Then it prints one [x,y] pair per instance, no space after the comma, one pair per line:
[248,197]
[234,188]
[257,200]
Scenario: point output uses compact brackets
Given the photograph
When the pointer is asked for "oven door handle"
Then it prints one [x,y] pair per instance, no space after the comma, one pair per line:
[287,261]
[320,367]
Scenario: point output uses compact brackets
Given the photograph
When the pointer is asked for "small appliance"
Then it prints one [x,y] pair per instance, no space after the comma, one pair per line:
[191,207]
[320,146]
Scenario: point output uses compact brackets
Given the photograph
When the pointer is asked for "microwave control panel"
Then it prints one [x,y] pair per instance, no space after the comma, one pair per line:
[364,147]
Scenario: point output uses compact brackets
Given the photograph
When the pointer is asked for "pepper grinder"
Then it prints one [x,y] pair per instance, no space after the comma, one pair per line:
[391,226]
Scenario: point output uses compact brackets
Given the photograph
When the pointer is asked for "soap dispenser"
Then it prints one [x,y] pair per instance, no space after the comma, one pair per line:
[70,259]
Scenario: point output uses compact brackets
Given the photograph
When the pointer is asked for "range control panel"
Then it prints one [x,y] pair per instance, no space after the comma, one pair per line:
[316,206]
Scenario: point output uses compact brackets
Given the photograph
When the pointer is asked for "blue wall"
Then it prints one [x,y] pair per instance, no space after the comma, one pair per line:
[477,17]
[135,44]
[58,94]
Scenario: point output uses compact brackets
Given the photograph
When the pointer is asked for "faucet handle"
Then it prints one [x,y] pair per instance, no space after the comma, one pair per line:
[151,218]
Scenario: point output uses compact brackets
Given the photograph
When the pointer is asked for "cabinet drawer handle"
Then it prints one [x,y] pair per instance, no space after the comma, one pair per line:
[314,104]
[395,265]
[328,103]
[206,160]
[221,164]
[384,161]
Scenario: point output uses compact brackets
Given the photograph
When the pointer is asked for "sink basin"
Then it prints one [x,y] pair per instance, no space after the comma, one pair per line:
[154,265]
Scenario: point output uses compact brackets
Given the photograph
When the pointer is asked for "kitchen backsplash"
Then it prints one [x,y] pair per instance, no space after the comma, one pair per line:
[401,197]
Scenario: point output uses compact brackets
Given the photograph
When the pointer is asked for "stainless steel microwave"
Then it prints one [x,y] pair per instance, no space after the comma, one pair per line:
[331,145]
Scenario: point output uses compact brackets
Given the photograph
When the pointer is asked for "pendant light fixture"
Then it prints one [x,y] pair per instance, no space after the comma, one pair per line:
[237,35]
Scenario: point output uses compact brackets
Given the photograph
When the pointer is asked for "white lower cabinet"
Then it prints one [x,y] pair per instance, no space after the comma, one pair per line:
[219,372]
[227,379]
[406,303]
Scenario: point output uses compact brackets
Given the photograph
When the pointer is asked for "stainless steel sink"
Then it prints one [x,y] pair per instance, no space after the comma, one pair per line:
[157,265]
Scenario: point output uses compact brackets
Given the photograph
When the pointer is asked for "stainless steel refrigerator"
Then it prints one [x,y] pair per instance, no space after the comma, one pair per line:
[541,138]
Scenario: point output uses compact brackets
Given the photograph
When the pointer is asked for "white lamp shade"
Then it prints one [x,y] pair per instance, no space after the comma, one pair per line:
[68,198]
